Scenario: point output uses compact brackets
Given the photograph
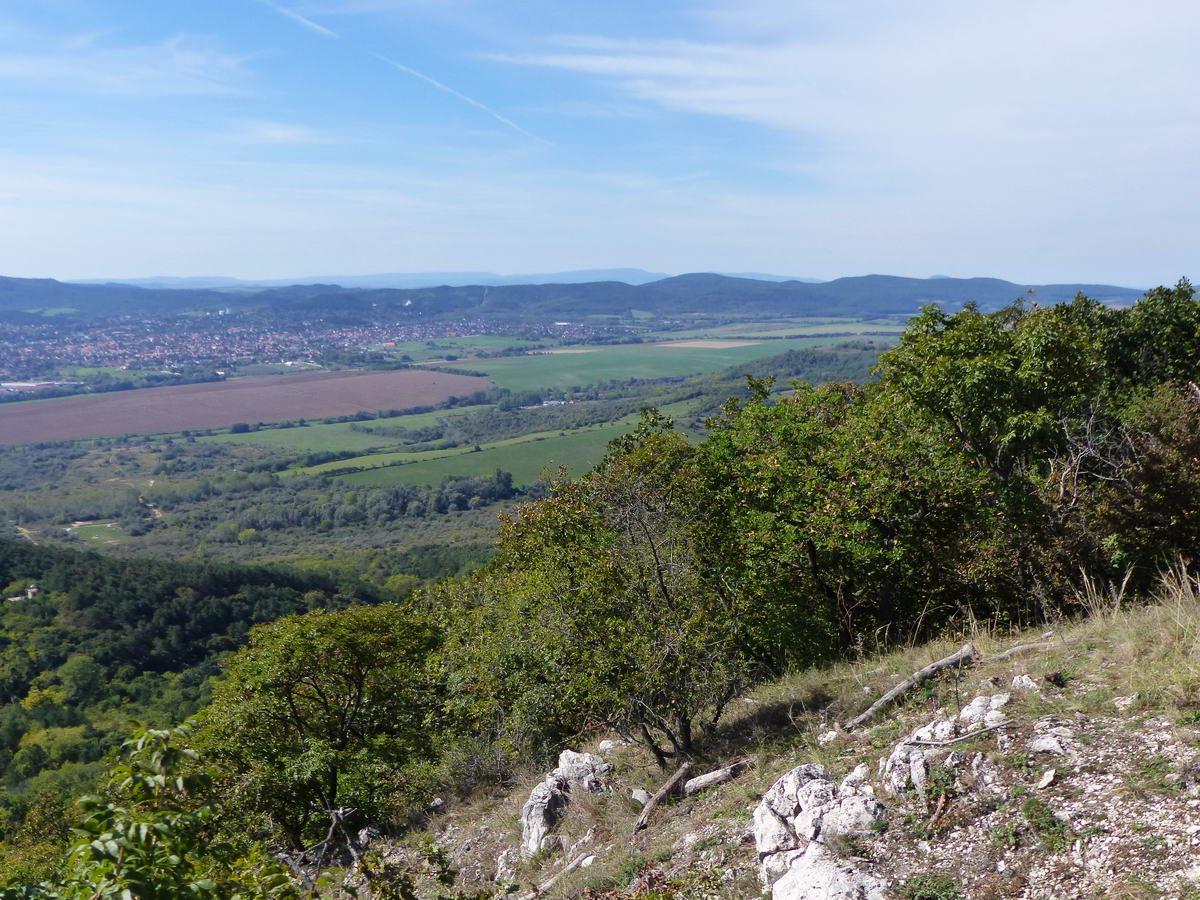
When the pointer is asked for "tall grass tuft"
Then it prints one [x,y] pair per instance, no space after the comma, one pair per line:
[1100,599]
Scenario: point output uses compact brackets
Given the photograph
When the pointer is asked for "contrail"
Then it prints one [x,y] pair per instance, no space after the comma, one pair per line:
[303,20]
[453,93]
[408,70]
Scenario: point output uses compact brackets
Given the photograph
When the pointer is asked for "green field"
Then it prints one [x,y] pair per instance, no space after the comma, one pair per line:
[400,457]
[80,371]
[338,436]
[101,533]
[621,362]
[526,457]
[782,328]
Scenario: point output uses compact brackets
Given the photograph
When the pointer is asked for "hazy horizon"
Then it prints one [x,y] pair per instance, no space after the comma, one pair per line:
[459,273]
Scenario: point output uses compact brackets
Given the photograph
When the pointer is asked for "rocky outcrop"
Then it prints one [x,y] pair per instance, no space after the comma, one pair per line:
[578,770]
[796,826]
[908,765]
[548,801]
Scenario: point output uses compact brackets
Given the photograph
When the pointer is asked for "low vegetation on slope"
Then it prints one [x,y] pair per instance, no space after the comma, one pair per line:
[1089,789]
[995,457]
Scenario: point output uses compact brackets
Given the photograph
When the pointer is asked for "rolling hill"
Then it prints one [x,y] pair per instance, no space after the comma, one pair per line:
[868,295]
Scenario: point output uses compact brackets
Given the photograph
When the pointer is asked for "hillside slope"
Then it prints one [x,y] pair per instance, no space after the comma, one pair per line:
[1088,787]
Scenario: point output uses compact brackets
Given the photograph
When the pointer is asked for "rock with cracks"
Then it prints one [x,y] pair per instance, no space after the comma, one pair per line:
[548,801]
[584,770]
[794,824]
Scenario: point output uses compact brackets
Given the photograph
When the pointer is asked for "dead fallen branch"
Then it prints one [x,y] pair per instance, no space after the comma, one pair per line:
[720,776]
[1023,649]
[966,656]
[644,819]
[960,738]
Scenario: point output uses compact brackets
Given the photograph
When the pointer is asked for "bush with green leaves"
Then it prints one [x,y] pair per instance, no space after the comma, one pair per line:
[150,836]
[321,712]
[605,606]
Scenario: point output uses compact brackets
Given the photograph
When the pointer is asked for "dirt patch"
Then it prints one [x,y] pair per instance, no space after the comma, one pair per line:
[267,398]
[708,345]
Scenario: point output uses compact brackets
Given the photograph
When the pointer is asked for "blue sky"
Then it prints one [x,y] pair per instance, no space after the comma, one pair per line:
[1052,140]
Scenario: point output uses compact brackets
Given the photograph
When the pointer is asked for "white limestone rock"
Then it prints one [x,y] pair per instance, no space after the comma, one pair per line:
[506,870]
[803,810]
[581,770]
[541,813]
[818,874]
[1026,684]
[907,765]
[1051,737]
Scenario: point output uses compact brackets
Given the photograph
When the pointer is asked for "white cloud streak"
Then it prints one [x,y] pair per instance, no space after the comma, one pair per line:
[1003,130]
[277,133]
[453,93]
[408,70]
[302,20]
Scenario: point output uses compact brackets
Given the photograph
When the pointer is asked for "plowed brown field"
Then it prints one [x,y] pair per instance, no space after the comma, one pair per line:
[268,398]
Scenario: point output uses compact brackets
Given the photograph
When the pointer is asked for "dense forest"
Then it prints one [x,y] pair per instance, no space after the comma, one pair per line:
[89,646]
[993,457]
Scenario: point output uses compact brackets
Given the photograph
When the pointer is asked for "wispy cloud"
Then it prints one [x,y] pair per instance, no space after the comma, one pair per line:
[302,20]
[180,65]
[593,109]
[408,70]
[453,93]
[279,133]
[1007,97]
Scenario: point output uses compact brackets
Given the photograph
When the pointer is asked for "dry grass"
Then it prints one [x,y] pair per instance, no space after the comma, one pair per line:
[1119,647]
[1101,599]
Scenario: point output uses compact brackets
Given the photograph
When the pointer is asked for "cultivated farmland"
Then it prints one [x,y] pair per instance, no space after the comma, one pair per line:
[272,398]
[525,458]
[340,436]
[624,361]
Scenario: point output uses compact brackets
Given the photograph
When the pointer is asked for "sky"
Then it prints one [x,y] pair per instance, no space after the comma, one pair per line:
[1035,140]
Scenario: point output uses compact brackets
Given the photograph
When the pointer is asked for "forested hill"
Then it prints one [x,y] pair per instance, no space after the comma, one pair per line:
[867,295]
[89,645]
[24,297]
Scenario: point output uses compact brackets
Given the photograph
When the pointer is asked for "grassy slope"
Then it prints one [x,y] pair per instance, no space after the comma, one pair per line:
[1126,806]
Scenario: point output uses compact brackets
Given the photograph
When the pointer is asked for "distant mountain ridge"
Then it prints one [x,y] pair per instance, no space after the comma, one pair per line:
[403,280]
[707,293]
